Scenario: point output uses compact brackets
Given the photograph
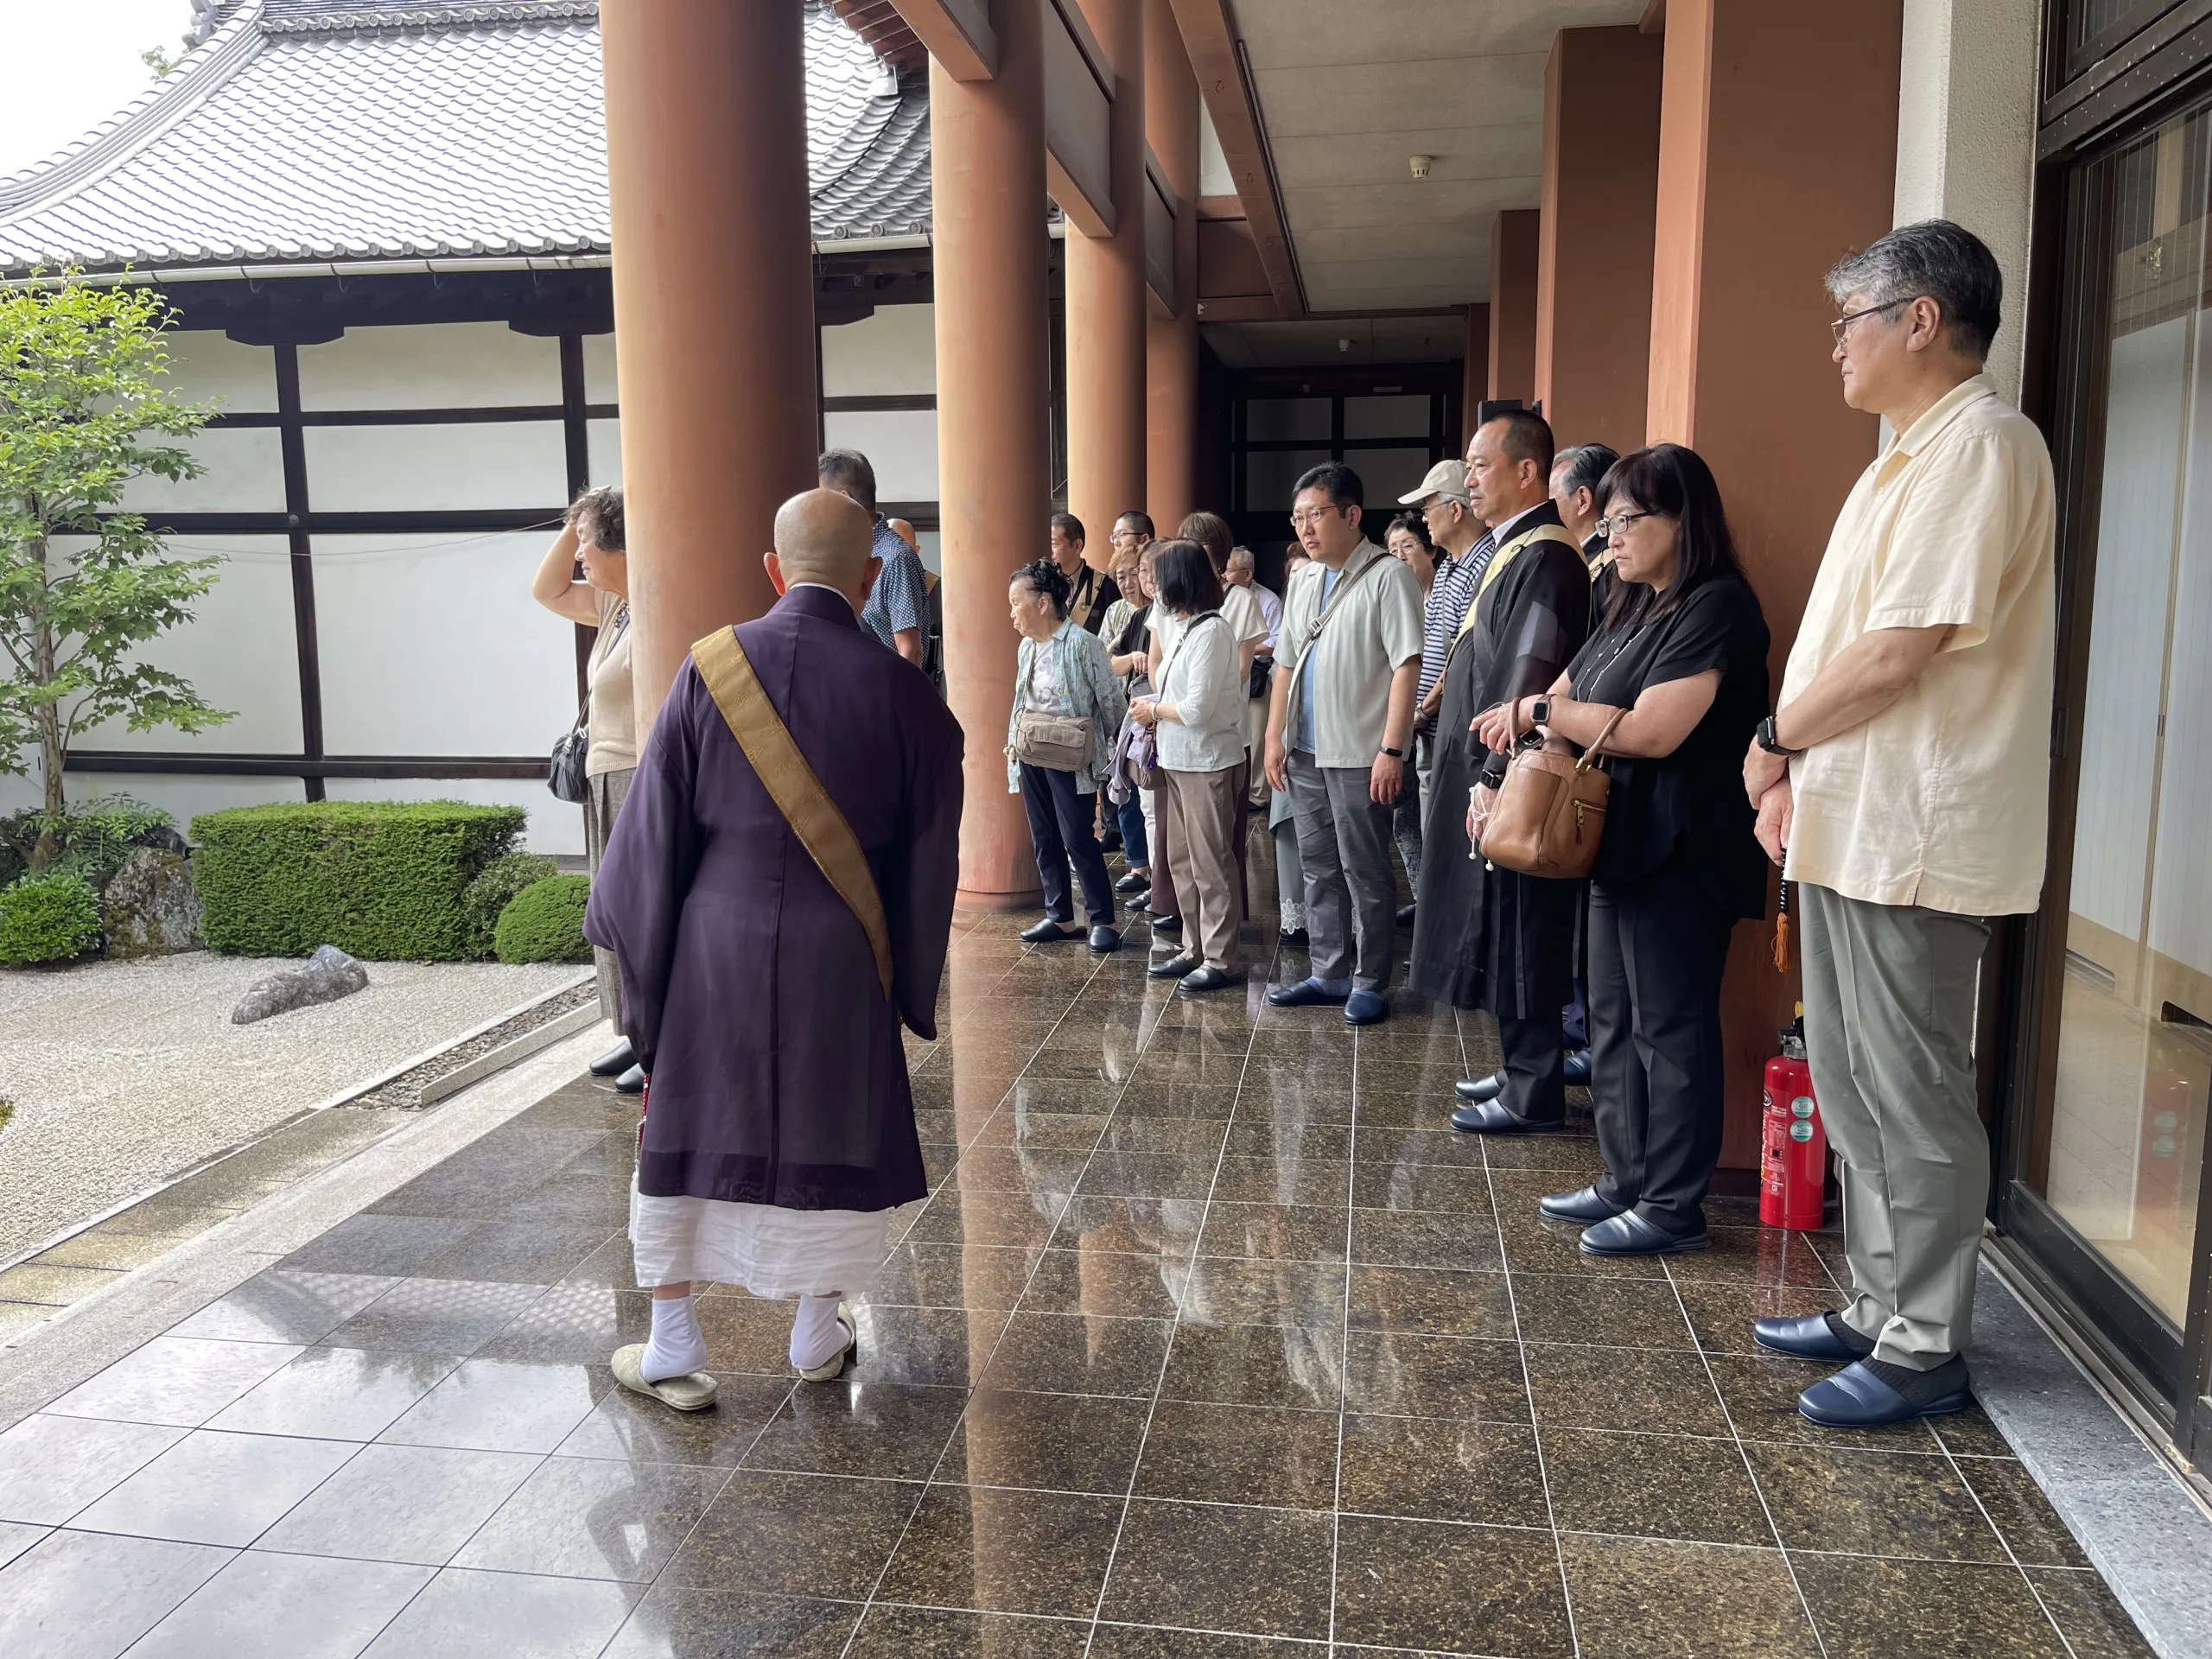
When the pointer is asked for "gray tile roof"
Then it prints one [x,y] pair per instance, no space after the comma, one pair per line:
[321,132]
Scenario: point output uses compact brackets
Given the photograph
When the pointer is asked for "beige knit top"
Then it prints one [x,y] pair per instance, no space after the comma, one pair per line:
[613,725]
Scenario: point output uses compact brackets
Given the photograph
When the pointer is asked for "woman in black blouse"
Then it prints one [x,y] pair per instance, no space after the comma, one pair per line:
[1683,649]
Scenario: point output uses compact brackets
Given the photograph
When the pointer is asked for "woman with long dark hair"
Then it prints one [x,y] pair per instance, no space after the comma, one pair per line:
[1680,656]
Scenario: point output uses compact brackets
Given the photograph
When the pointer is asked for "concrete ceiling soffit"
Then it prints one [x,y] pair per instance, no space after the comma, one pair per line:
[1225,83]
[957,33]
[1078,121]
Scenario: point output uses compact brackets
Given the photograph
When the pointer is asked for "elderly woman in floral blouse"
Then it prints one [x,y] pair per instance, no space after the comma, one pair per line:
[1062,671]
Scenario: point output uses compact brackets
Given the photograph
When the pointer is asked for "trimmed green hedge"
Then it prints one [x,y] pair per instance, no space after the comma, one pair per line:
[545,923]
[52,917]
[494,890]
[380,880]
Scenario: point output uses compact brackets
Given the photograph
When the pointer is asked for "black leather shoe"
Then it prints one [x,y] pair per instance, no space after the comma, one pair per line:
[1406,917]
[1104,940]
[1488,1118]
[1630,1234]
[1811,1336]
[1049,931]
[1306,993]
[1175,967]
[632,1082]
[1856,1397]
[1136,880]
[1168,927]
[1480,1089]
[1208,979]
[1584,1206]
[1577,1065]
[617,1060]
[1142,904]
[1294,938]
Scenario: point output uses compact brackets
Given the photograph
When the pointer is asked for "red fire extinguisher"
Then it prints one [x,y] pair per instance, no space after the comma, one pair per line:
[1793,1160]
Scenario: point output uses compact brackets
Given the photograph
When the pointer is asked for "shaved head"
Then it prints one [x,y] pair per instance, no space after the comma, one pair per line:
[824,537]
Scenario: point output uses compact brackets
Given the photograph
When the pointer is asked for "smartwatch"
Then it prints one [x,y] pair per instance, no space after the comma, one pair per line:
[1769,742]
[1395,755]
[1540,711]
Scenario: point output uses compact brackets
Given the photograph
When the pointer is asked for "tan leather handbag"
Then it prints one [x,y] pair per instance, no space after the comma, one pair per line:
[1550,812]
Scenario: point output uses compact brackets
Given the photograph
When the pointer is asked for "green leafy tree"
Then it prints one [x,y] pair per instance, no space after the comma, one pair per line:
[84,412]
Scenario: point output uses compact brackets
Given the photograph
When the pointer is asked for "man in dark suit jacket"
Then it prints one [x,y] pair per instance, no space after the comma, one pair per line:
[779,1130]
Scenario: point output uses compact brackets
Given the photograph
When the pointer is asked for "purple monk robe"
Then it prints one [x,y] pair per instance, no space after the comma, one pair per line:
[749,989]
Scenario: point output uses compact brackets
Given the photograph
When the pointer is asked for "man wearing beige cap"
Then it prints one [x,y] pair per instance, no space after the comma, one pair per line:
[1463,545]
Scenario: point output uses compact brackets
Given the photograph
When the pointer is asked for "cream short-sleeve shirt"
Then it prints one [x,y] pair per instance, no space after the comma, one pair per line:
[1941,799]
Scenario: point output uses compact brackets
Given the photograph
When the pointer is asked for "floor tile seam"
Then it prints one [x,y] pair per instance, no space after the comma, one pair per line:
[1159,1381]
[959,1420]
[1750,1472]
[2006,1543]
[1543,1473]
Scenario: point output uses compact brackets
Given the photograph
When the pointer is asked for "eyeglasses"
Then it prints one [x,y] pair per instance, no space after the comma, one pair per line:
[1304,515]
[1841,326]
[1611,527]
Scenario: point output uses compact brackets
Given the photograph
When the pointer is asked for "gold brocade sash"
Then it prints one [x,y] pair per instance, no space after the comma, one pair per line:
[1505,556]
[806,806]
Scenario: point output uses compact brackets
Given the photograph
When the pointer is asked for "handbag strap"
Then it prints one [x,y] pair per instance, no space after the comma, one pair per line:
[1591,753]
[791,784]
[1344,585]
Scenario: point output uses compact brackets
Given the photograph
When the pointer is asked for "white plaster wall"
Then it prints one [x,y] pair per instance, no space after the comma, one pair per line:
[205,364]
[430,366]
[604,441]
[432,645]
[1966,139]
[425,468]
[892,351]
[241,651]
[555,827]
[901,443]
[598,370]
[246,473]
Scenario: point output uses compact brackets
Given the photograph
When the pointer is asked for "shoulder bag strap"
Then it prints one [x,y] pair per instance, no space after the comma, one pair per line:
[806,806]
[1313,630]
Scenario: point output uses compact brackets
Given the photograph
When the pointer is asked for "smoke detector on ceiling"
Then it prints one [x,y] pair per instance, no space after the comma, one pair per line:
[1344,344]
[1420,164]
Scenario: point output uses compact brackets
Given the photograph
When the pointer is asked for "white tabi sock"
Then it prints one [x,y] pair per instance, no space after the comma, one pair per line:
[676,1347]
[815,1333]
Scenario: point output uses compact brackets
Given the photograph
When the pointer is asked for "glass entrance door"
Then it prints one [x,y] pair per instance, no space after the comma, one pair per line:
[2112,1178]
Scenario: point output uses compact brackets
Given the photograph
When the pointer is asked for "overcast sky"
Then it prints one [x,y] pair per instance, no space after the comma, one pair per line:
[70,64]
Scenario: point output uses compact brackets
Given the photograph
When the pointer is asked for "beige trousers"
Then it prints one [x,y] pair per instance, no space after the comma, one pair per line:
[606,791]
[1201,809]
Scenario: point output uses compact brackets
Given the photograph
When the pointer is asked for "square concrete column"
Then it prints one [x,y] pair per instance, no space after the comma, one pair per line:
[1171,120]
[1513,248]
[1777,155]
[714,302]
[1593,261]
[1106,305]
[987,181]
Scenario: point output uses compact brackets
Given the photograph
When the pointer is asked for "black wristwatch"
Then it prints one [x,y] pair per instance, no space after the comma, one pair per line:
[1395,755]
[1769,742]
[1540,711]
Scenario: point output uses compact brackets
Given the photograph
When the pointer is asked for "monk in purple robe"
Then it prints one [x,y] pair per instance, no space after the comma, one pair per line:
[780,1126]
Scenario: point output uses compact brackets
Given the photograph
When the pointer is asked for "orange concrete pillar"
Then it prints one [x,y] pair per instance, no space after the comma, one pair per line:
[714,300]
[1513,304]
[1106,305]
[1759,99]
[1474,372]
[1594,260]
[987,181]
[1170,374]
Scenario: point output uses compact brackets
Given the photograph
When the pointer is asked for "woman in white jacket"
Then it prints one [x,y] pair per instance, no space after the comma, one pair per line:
[1197,711]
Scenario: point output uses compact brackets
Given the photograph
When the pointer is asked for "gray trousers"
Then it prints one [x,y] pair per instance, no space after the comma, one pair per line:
[605,794]
[1889,1029]
[1351,896]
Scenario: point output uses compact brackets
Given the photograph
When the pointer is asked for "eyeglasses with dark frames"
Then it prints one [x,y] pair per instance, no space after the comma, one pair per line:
[1615,524]
[1841,326]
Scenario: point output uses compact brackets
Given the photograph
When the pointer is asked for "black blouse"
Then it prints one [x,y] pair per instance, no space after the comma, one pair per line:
[1688,807]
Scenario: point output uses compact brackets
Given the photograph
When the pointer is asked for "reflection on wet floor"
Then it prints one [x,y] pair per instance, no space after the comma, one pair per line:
[1213,1340]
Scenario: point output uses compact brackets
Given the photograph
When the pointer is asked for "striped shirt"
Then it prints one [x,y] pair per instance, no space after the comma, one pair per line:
[1445,607]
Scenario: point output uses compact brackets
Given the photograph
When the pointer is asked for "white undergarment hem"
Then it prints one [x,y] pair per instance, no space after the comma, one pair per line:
[769,1251]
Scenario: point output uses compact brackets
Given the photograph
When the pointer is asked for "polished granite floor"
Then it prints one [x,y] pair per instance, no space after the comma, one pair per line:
[1213,1342]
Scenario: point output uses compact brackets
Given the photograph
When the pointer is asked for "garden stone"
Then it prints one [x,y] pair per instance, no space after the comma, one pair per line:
[329,974]
[150,908]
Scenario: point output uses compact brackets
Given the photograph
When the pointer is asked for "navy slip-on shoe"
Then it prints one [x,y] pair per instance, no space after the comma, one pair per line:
[1366,1008]
[1133,881]
[632,1082]
[1810,1336]
[1577,1065]
[1306,993]
[1051,932]
[1480,1089]
[617,1060]
[1630,1234]
[1488,1118]
[1208,979]
[1168,927]
[1175,967]
[1855,1398]
[1584,1206]
[1104,940]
